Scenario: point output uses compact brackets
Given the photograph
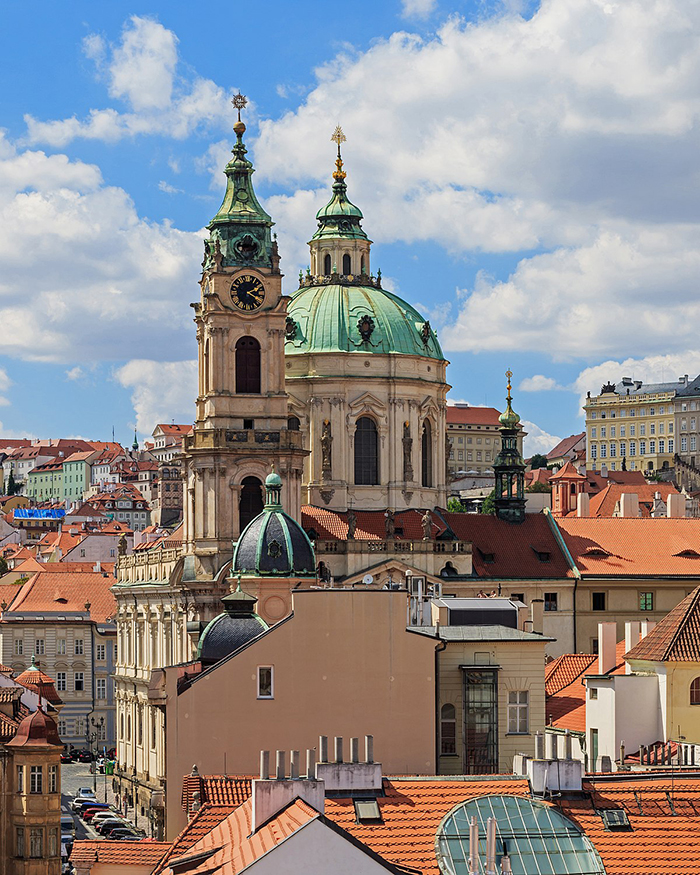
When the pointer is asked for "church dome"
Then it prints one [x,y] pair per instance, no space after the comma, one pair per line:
[236,626]
[274,543]
[36,730]
[357,317]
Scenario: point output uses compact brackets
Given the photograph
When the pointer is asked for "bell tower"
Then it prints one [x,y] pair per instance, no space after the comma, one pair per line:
[242,421]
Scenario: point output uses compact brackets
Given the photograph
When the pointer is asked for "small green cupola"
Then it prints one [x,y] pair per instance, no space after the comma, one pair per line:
[340,217]
[240,233]
[509,466]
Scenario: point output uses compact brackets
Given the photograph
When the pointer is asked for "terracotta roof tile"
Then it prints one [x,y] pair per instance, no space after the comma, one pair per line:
[332,525]
[563,670]
[56,591]
[472,415]
[566,445]
[676,638]
[146,853]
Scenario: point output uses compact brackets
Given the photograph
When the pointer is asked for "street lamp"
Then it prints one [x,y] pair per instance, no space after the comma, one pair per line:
[91,737]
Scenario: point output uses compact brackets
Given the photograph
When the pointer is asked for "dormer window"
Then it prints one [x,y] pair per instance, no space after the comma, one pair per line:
[486,557]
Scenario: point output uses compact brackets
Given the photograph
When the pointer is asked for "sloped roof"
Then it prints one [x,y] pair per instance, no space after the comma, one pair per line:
[57,592]
[563,670]
[472,415]
[604,503]
[676,638]
[566,445]
[87,852]
[620,547]
[332,525]
[568,471]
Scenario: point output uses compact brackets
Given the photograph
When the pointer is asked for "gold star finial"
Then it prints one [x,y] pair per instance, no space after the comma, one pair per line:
[338,137]
[509,375]
[239,101]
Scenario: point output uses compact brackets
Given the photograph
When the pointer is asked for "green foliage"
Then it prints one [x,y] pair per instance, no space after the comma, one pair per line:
[3,566]
[538,461]
[489,505]
[454,505]
[538,487]
[11,485]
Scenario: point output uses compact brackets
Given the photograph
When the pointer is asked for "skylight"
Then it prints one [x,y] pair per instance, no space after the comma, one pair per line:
[615,818]
[539,839]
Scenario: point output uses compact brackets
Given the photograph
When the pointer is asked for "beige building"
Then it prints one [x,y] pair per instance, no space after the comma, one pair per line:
[474,438]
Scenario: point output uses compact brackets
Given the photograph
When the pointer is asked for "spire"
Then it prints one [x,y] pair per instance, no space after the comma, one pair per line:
[340,217]
[135,445]
[509,418]
[240,231]
[508,465]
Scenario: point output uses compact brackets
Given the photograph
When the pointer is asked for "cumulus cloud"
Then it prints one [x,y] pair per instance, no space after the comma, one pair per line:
[537,439]
[76,373]
[417,8]
[167,188]
[573,133]
[142,72]
[161,391]
[539,383]
[100,278]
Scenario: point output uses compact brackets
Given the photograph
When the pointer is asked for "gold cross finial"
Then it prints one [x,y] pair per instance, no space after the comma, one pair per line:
[338,137]
[239,101]
[509,375]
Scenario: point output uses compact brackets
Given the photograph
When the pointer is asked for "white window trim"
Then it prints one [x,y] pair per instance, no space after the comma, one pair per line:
[272,681]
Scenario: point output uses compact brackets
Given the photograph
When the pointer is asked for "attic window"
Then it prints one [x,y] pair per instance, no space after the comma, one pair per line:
[596,551]
[688,554]
[615,818]
[367,810]
[542,555]
[487,558]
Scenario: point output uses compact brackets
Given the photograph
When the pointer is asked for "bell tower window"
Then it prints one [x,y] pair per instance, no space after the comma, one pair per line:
[363,268]
[293,423]
[326,264]
[346,265]
[247,366]
[427,454]
[366,452]
[250,503]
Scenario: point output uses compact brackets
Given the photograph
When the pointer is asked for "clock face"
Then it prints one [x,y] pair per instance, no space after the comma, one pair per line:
[247,292]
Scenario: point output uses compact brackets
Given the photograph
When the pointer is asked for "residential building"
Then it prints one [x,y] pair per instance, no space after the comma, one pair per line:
[167,441]
[475,440]
[65,621]
[45,482]
[77,474]
[124,503]
[571,449]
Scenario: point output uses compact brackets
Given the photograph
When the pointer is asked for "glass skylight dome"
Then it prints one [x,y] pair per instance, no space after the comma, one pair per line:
[539,839]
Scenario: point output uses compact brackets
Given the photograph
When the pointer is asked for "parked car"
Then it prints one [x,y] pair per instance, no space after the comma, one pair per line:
[101,816]
[80,799]
[85,791]
[67,824]
[91,803]
[110,823]
[89,813]
[66,757]
[85,756]
[121,833]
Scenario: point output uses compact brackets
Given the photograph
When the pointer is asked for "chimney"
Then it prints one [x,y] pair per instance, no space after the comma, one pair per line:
[491,847]
[583,504]
[269,797]
[352,776]
[603,470]
[473,847]
[675,505]
[633,631]
[629,505]
[537,615]
[607,641]
[646,626]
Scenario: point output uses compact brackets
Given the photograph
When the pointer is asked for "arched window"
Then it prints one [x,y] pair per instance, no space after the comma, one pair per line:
[346,265]
[206,366]
[695,691]
[362,265]
[448,730]
[448,570]
[293,423]
[427,454]
[247,366]
[250,503]
[327,264]
[366,452]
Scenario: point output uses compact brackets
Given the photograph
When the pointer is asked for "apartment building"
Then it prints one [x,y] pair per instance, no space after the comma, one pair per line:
[474,438]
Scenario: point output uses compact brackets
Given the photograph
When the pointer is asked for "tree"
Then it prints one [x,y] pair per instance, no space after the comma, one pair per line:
[489,505]
[454,505]
[537,486]
[3,566]
[11,485]
[538,461]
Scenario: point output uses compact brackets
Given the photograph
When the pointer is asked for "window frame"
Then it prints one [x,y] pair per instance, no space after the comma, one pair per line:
[646,601]
[515,710]
[258,676]
[448,730]
[79,678]
[601,595]
[36,780]
[694,696]
[551,598]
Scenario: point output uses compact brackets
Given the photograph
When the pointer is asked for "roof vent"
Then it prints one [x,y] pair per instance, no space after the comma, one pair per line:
[615,819]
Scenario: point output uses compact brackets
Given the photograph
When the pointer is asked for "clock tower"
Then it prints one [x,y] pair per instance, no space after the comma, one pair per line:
[242,423]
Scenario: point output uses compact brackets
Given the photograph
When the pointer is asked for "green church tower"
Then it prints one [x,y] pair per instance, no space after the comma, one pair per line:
[509,466]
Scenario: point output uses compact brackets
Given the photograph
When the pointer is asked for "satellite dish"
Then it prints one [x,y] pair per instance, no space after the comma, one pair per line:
[367,579]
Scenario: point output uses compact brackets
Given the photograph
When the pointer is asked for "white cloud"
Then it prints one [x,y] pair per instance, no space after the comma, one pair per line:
[417,8]
[167,188]
[141,71]
[539,383]
[573,131]
[537,440]
[100,278]
[161,391]
[76,373]
[5,381]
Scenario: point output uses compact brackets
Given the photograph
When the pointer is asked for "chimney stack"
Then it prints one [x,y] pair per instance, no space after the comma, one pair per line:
[310,764]
[264,765]
[294,765]
[583,505]
[491,847]
[339,748]
[323,748]
[629,505]
[633,631]
[280,767]
[473,847]
[537,615]
[607,643]
[675,505]
[604,470]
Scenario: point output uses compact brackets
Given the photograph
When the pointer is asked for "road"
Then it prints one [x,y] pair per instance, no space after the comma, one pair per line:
[73,776]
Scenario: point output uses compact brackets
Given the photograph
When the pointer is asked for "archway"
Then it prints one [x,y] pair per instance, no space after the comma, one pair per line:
[250,503]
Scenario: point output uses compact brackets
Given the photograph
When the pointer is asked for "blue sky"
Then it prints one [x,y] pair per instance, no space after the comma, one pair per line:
[528,172]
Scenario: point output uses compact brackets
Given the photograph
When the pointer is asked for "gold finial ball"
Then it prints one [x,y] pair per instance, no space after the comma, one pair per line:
[239,128]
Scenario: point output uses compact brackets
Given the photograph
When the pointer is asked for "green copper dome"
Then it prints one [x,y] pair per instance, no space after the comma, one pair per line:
[357,317]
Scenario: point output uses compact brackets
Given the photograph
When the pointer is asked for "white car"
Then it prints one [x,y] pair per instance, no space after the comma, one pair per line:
[104,815]
[78,801]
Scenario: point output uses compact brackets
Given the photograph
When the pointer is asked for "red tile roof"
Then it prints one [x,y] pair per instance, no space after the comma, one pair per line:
[57,592]
[539,475]
[39,682]
[676,638]
[563,670]
[620,547]
[604,503]
[332,525]
[568,471]
[172,429]
[472,415]
[87,852]
[228,790]
[201,823]
[567,445]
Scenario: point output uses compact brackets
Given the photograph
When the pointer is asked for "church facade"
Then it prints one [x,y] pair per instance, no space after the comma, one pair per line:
[341,386]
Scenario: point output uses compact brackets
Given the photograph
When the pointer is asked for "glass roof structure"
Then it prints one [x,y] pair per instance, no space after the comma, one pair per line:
[538,838]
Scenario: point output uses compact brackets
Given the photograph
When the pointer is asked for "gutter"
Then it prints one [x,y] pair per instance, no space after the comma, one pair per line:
[558,537]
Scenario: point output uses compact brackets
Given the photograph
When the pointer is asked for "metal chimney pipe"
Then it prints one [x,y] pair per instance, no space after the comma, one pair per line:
[369,748]
[354,750]
[622,753]
[323,748]
[280,769]
[505,861]
[473,847]
[567,745]
[310,764]
[339,748]
[539,746]
[491,847]
[642,754]
[264,765]
[294,764]
[552,752]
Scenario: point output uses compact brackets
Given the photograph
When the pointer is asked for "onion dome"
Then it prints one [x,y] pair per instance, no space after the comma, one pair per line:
[233,628]
[40,683]
[36,730]
[273,543]
[361,318]
[509,418]
[340,217]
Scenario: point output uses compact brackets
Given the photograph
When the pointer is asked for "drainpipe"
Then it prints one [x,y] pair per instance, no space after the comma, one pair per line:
[440,647]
